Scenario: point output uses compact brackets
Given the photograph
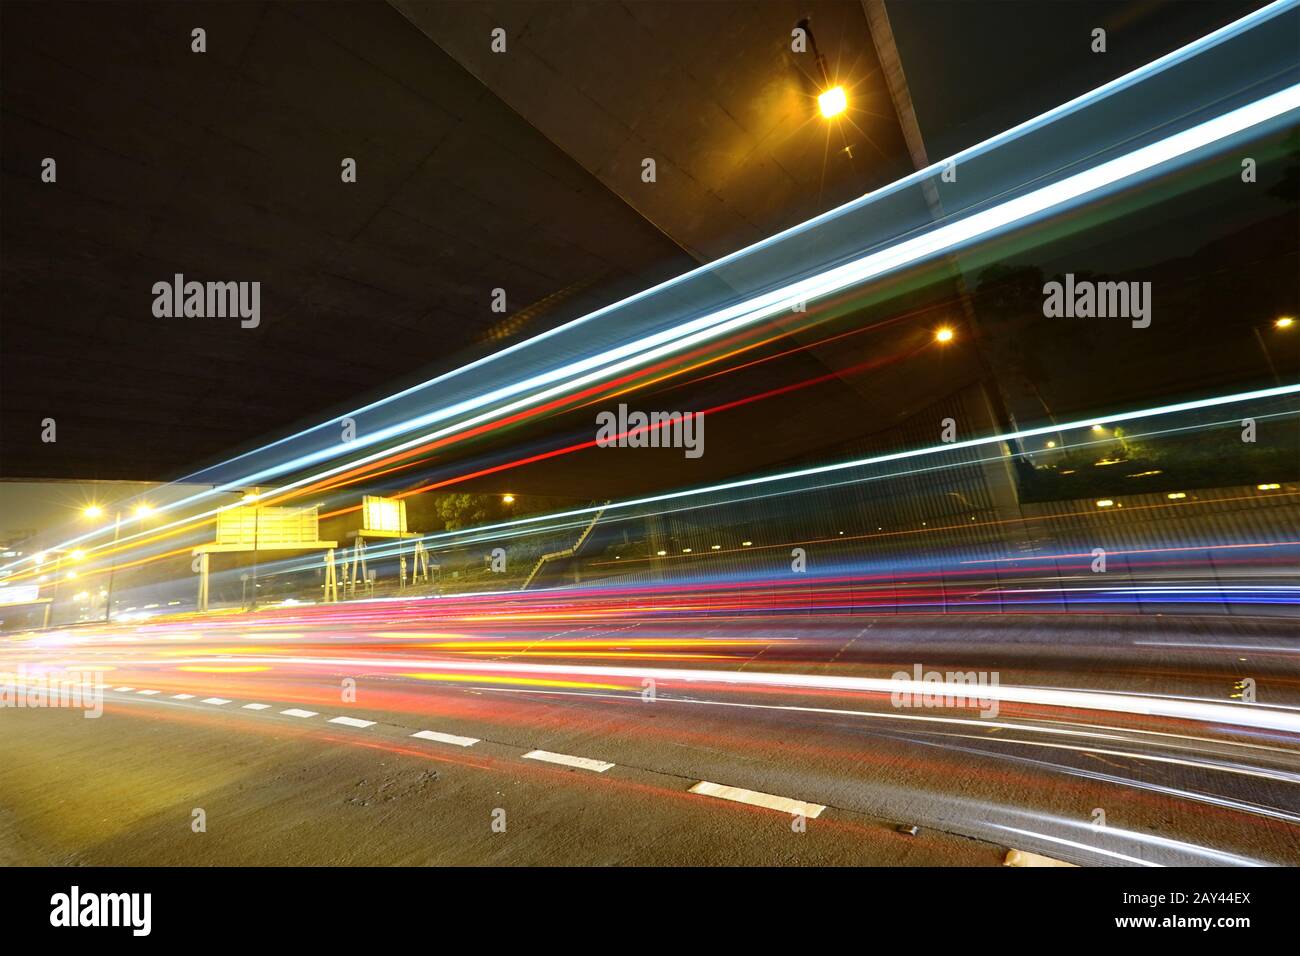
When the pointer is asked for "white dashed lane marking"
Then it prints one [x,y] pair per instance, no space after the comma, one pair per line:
[446,738]
[756,799]
[582,763]
[704,788]
[351,722]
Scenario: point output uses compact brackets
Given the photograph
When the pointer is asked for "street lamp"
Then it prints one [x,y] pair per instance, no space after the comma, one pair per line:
[833,102]
[944,335]
[141,511]
[1282,324]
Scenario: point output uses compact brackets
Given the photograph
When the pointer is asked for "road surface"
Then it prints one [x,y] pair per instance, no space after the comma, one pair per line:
[466,731]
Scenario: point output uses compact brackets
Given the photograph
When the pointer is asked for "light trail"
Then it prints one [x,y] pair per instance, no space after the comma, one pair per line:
[940,240]
[1241,715]
[1021,434]
[1183,54]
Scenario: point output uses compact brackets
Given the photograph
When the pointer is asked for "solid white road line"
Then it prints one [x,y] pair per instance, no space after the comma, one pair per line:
[582,763]
[182,696]
[295,712]
[257,707]
[445,738]
[148,693]
[757,799]
[351,722]
[219,701]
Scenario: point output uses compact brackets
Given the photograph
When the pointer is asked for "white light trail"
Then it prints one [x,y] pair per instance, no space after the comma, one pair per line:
[1159,65]
[1240,715]
[941,240]
[880,459]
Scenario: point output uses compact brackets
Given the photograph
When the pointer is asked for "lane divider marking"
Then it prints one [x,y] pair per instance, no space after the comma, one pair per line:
[704,788]
[582,763]
[124,690]
[446,738]
[351,722]
[758,799]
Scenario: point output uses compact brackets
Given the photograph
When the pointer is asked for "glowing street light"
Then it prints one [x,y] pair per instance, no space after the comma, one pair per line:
[141,511]
[944,335]
[833,102]
[1282,323]
[508,499]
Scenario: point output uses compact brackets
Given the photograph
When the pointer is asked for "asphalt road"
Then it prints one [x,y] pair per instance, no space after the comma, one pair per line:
[1107,740]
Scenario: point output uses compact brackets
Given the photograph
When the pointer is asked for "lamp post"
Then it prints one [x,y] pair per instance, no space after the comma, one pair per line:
[95,511]
[252,497]
[1281,324]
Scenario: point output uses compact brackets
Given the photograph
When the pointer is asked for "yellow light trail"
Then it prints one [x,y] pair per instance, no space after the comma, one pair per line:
[638,642]
[621,655]
[191,651]
[526,681]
